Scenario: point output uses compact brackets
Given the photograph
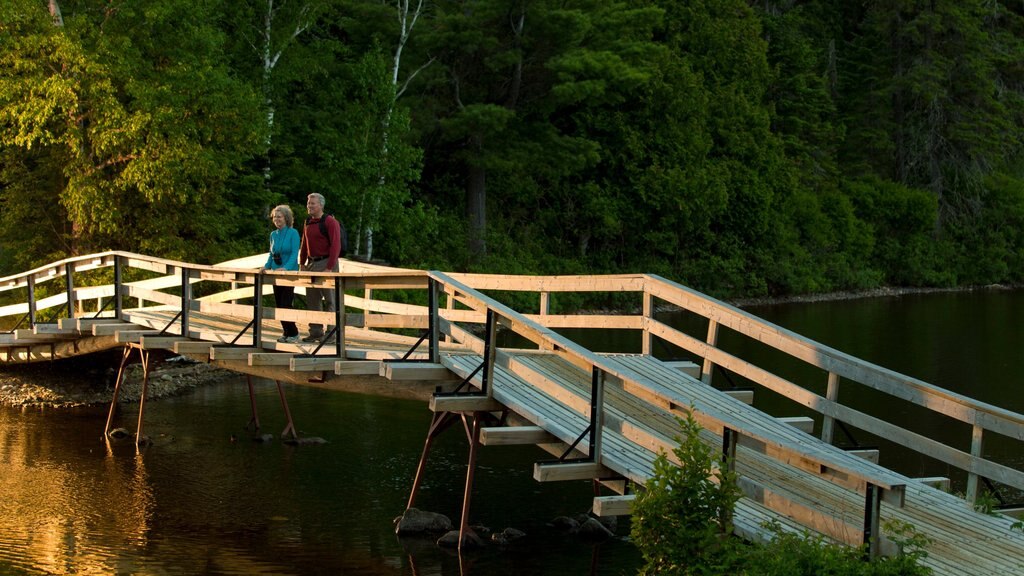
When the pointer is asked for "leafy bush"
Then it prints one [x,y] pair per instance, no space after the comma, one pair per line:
[682,526]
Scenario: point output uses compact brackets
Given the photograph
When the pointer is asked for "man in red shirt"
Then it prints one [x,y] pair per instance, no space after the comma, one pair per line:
[322,245]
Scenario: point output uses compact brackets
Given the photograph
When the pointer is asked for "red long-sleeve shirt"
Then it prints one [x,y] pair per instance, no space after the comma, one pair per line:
[315,245]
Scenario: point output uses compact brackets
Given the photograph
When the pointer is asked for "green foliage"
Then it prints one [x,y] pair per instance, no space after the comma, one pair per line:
[743,148]
[681,521]
[681,524]
[790,554]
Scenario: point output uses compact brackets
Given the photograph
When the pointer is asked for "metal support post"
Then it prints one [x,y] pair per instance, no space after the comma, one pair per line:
[465,531]
[69,283]
[31,301]
[439,422]
[118,294]
[257,311]
[490,350]
[186,300]
[117,389]
[290,428]
[433,320]
[144,354]
[339,316]
[255,419]
[872,512]
[596,413]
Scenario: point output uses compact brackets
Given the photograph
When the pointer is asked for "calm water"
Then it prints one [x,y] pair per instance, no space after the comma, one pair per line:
[196,502]
[204,499]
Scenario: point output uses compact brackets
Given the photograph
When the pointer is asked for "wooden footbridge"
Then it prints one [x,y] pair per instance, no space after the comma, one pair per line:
[510,378]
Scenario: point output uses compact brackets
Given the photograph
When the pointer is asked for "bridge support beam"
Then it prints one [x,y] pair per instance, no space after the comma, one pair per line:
[144,357]
[473,423]
[290,428]
[254,420]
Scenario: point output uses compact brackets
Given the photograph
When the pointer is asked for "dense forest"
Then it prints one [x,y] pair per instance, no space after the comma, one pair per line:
[742,148]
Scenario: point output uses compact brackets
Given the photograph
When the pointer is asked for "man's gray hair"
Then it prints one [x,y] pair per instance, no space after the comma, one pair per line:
[319,197]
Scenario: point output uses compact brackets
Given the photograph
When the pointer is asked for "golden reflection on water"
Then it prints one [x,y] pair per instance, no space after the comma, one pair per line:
[59,512]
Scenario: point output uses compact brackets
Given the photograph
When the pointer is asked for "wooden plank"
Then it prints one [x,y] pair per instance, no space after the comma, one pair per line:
[416,371]
[232,353]
[513,435]
[111,329]
[28,335]
[53,329]
[559,471]
[270,359]
[614,505]
[315,364]
[870,454]
[464,404]
[801,423]
[745,396]
[937,482]
[357,367]
[86,324]
[133,336]
[192,347]
[162,342]
[691,369]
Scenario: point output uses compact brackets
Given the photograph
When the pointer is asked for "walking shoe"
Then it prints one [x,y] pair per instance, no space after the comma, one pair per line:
[312,338]
[290,339]
[283,338]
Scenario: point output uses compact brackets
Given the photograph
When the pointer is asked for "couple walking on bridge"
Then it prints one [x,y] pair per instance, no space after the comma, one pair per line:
[321,245]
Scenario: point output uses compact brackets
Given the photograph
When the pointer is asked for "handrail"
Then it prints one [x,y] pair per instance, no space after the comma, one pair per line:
[980,415]
[877,484]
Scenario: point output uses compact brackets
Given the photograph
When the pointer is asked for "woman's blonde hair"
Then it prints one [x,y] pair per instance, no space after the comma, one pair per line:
[289,218]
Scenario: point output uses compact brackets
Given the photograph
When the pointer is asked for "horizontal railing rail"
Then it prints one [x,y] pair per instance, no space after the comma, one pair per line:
[875,485]
[659,293]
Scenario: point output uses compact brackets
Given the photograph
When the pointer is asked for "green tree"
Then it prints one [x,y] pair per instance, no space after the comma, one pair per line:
[147,133]
[682,519]
[508,76]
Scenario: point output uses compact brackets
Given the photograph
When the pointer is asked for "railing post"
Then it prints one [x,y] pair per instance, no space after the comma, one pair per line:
[831,394]
[257,310]
[977,434]
[69,282]
[31,301]
[339,316]
[648,339]
[708,367]
[545,304]
[730,438]
[596,413]
[186,300]
[489,354]
[433,323]
[872,512]
[118,301]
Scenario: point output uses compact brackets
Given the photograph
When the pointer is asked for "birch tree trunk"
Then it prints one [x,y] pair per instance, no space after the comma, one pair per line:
[406,22]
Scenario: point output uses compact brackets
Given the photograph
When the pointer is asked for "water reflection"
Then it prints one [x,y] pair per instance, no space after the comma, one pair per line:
[194,502]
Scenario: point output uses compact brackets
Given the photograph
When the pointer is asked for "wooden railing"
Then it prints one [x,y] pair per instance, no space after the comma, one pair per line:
[658,293]
[874,485]
[175,283]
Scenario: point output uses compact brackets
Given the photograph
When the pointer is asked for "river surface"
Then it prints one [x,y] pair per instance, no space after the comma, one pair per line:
[206,499]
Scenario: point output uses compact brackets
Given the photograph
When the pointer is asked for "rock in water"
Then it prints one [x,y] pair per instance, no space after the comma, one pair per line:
[416,521]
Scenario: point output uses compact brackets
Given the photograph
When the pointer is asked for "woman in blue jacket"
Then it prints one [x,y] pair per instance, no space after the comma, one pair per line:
[284,255]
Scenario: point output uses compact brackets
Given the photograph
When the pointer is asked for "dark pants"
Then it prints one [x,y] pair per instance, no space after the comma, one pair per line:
[319,299]
[283,299]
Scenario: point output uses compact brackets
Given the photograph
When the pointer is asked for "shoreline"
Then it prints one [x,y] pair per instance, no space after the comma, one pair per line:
[77,382]
[885,291]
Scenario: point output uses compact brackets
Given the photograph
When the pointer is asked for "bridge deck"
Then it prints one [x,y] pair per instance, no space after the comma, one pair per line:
[787,476]
[963,540]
